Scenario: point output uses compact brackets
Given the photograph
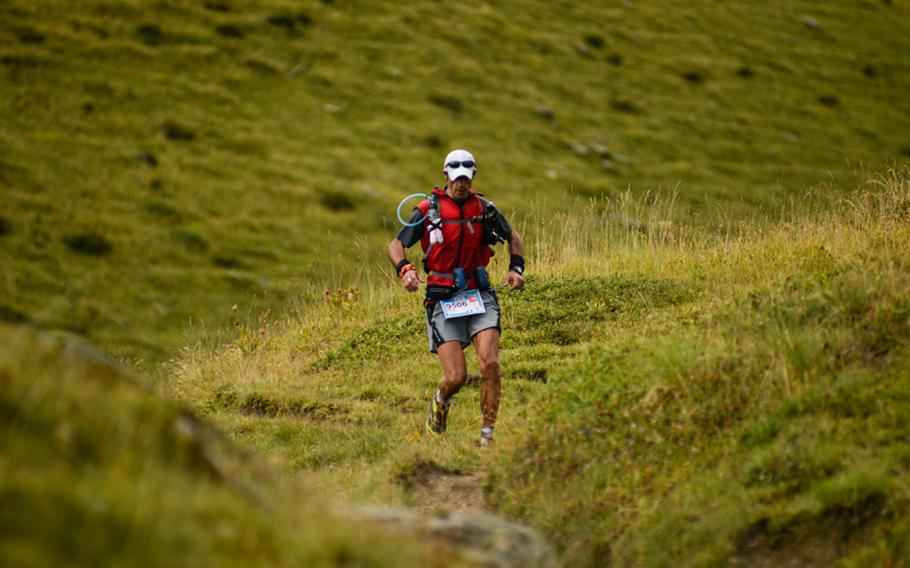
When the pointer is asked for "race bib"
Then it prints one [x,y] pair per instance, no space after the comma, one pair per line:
[466,303]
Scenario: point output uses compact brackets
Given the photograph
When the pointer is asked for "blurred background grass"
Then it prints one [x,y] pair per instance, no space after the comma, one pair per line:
[161,163]
[172,171]
[97,470]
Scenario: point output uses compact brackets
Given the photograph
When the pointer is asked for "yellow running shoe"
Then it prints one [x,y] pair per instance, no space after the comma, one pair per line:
[436,421]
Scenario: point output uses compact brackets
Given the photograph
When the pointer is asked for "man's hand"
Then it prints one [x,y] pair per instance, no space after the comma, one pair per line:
[514,280]
[411,280]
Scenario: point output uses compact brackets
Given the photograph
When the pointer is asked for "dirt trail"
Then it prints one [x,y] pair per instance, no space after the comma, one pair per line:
[445,492]
[448,509]
[438,491]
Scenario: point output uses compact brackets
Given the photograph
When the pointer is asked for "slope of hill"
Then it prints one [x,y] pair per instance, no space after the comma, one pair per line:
[764,423]
[96,470]
[673,395]
[160,163]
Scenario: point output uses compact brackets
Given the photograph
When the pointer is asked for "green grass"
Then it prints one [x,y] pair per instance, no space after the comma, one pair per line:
[764,422]
[673,395]
[95,469]
[707,366]
[163,163]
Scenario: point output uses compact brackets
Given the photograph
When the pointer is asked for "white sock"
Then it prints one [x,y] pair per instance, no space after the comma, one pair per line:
[486,432]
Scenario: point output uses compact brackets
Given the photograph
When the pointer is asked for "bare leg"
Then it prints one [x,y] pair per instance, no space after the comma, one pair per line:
[486,343]
[451,356]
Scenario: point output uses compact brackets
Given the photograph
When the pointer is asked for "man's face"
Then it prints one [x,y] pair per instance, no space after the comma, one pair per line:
[460,188]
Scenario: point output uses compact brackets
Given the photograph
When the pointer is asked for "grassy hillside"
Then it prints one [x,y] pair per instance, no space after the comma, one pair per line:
[763,423]
[96,470]
[672,395]
[162,162]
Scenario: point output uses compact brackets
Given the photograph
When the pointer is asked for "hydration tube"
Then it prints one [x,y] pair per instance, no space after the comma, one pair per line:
[403,201]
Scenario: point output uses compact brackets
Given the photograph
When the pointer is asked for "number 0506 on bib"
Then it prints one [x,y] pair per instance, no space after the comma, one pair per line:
[466,303]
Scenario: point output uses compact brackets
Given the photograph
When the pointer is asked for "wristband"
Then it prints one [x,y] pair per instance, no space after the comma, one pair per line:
[517,263]
[405,269]
[401,265]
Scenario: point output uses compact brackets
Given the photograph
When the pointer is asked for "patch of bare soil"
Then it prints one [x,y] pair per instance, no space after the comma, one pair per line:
[441,492]
[812,551]
[759,549]
[448,509]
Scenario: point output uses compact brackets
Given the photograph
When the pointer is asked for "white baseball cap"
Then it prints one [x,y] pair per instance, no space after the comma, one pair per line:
[459,163]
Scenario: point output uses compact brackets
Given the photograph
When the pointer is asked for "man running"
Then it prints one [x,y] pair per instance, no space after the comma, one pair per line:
[456,229]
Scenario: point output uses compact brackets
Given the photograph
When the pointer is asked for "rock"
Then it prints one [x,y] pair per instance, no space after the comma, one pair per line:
[546,112]
[623,159]
[583,49]
[298,69]
[811,23]
[579,148]
[480,539]
[600,150]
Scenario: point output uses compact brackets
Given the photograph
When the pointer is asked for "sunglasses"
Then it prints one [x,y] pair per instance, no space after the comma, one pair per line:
[455,165]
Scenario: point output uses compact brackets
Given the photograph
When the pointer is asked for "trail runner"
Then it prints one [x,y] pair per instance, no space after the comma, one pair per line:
[456,229]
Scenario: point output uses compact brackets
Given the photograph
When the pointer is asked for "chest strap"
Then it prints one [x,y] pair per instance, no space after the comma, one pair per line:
[470,222]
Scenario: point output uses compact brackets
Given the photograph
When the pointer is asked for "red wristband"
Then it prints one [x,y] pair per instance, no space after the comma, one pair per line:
[405,268]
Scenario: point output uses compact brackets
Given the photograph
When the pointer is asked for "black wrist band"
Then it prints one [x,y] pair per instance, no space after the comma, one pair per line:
[517,263]
[398,266]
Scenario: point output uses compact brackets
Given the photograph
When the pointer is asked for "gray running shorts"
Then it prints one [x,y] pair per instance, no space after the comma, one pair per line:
[441,330]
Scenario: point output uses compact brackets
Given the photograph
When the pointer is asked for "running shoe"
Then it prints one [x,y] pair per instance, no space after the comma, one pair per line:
[486,437]
[436,421]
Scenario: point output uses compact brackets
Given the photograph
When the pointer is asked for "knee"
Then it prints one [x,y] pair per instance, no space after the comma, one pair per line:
[454,377]
[490,368]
